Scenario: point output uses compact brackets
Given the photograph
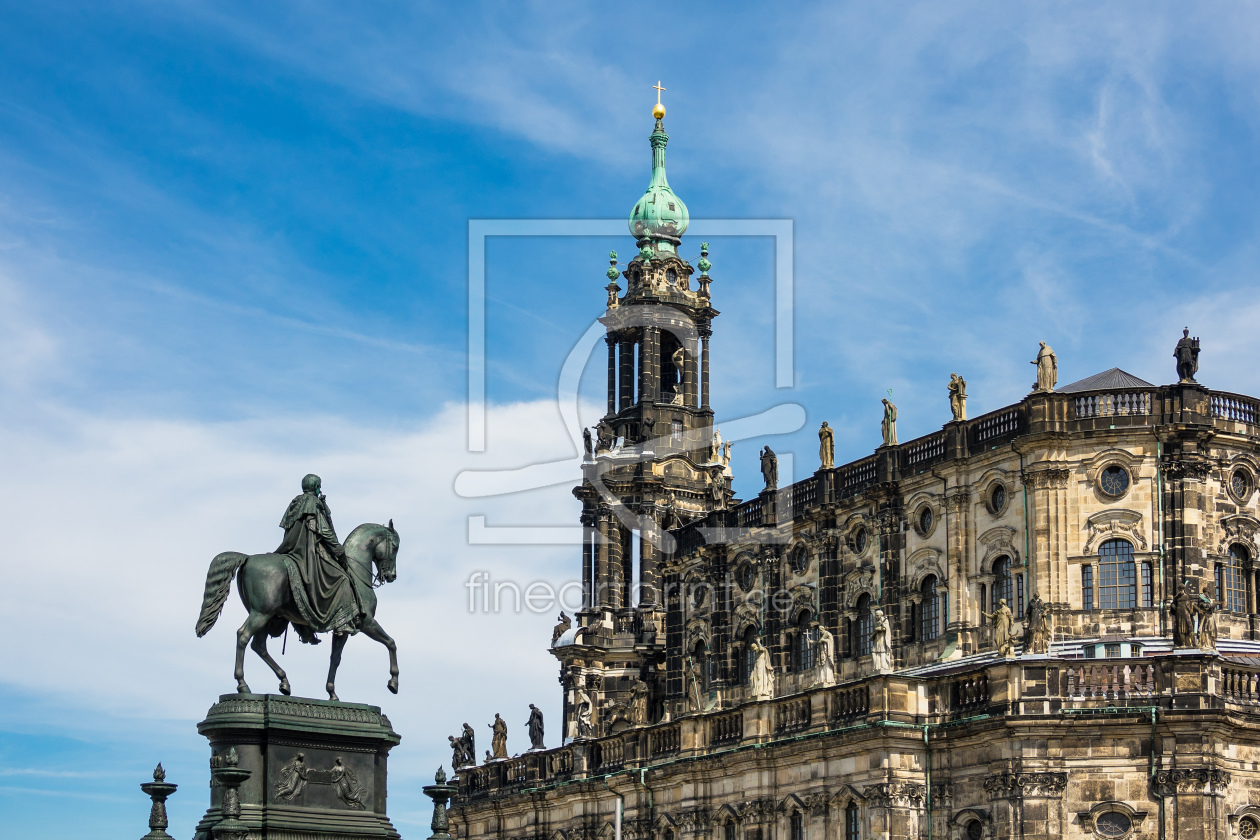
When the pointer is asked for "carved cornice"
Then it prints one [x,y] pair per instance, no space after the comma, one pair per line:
[697,819]
[757,811]
[1206,781]
[1045,478]
[894,795]
[816,803]
[1025,785]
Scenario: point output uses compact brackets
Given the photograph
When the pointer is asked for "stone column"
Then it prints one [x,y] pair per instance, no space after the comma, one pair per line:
[627,567]
[650,366]
[894,810]
[704,368]
[689,373]
[1027,806]
[615,572]
[1046,484]
[588,561]
[612,373]
[626,396]
[958,557]
[1194,802]
[603,588]
[647,567]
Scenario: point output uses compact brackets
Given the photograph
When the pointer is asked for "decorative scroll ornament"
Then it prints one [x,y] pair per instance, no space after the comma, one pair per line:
[895,794]
[1107,524]
[1207,781]
[1046,478]
[1024,785]
[1191,468]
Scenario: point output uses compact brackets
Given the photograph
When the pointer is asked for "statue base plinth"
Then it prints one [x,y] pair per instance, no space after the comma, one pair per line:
[318,768]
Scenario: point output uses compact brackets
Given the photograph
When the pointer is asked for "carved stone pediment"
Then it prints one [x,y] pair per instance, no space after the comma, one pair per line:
[924,562]
[1239,528]
[746,615]
[997,541]
[1107,524]
[857,582]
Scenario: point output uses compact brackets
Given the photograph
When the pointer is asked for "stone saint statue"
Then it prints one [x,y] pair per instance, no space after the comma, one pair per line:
[469,740]
[498,741]
[715,448]
[1187,356]
[588,448]
[826,446]
[695,698]
[1184,613]
[826,657]
[457,752]
[1037,626]
[958,397]
[639,703]
[1002,621]
[535,727]
[1047,369]
[762,673]
[1207,623]
[726,459]
[770,468]
[562,626]
[881,644]
[889,424]
[679,359]
[585,727]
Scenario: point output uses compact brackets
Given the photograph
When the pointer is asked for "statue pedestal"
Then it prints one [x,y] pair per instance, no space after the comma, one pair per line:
[318,768]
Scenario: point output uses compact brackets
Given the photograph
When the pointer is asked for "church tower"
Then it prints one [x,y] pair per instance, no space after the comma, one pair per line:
[656,463]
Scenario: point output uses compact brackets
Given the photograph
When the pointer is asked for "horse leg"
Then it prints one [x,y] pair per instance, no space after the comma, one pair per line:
[339,642]
[374,630]
[255,622]
[259,644]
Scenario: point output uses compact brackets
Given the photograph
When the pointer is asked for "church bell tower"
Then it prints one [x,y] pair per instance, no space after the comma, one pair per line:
[655,464]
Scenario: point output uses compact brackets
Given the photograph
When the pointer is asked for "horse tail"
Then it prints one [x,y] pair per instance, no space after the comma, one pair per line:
[218,585]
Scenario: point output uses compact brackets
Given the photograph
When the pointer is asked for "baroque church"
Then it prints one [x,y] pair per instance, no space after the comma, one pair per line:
[1032,624]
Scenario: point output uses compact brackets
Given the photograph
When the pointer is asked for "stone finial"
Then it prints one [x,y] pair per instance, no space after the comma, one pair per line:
[704,264]
[612,273]
[158,790]
[440,793]
[230,777]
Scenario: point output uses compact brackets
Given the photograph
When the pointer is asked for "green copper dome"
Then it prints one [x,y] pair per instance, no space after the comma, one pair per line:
[659,216]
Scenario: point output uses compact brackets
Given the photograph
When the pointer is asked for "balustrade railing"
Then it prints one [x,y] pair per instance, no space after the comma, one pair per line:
[748,515]
[996,424]
[1114,680]
[849,703]
[969,692]
[608,755]
[792,715]
[924,449]
[1236,407]
[1240,685]
[1112,404]
[727,729]
[664,741]
[803,495]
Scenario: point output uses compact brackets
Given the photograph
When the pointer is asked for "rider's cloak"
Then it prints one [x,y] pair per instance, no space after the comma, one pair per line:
[326,598]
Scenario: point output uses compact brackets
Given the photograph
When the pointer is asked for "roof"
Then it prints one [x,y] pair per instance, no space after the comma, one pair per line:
[1109,380]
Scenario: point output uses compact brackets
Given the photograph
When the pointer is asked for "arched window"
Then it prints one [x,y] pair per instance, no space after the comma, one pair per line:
[929,610]
[852,826]
[804,641]
[728,831]
[863,626]
[1008,586]
[1231,582]
[746,656]
[797,827]
[1117,576]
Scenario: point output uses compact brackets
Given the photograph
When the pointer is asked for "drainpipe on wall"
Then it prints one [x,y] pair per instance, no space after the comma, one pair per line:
[1154,791]
[927,772]
[618,809]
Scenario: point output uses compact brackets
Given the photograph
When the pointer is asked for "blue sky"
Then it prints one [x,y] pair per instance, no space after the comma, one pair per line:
[233,250]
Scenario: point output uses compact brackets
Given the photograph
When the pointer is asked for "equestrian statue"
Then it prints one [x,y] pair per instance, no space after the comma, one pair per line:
[311,581]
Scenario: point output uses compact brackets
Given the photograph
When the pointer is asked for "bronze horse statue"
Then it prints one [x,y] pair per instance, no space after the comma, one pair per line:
[263,584]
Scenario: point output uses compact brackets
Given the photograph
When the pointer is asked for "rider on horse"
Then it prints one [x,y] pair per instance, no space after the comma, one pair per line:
[326,597]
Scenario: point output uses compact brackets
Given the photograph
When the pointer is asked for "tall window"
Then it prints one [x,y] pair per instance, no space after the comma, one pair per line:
[1003,584]
[798,826]
[852,828]
[746,656]
[1231,586]
[863,626]
[1117,576]
[1087,587]
[1148,585]
[804,642]
[728,832]
[929,610]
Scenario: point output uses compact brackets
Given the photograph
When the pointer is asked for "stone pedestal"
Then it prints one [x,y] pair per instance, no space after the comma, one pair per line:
[317,769]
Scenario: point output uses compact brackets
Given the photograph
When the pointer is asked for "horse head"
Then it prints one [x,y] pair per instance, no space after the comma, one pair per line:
[385,554]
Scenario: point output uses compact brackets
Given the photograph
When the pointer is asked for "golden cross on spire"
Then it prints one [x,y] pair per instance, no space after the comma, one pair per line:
[657,87]
[659,111]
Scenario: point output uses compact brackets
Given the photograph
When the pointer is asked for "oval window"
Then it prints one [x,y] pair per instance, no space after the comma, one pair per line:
[1114,480]
[997,499]
[925,520]
[1112,824]
[859,541]
[1240,483]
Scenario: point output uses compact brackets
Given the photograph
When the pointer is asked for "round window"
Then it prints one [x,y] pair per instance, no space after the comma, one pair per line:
[744,576]
[997,498]
[1240,484]
[1112,824]
[1114,480]
[671,277]
[859,540]
[800,559]
[925,520]
[1248,827]
[975,831]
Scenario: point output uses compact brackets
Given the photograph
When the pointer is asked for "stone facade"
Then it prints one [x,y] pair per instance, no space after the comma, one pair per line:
[1102,498]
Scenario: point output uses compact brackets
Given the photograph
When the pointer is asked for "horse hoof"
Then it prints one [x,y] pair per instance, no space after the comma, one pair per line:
[392,685]
[284,688]
[242,688]
[332,695]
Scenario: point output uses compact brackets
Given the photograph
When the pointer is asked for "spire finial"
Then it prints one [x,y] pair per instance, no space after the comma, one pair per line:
[659,111]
